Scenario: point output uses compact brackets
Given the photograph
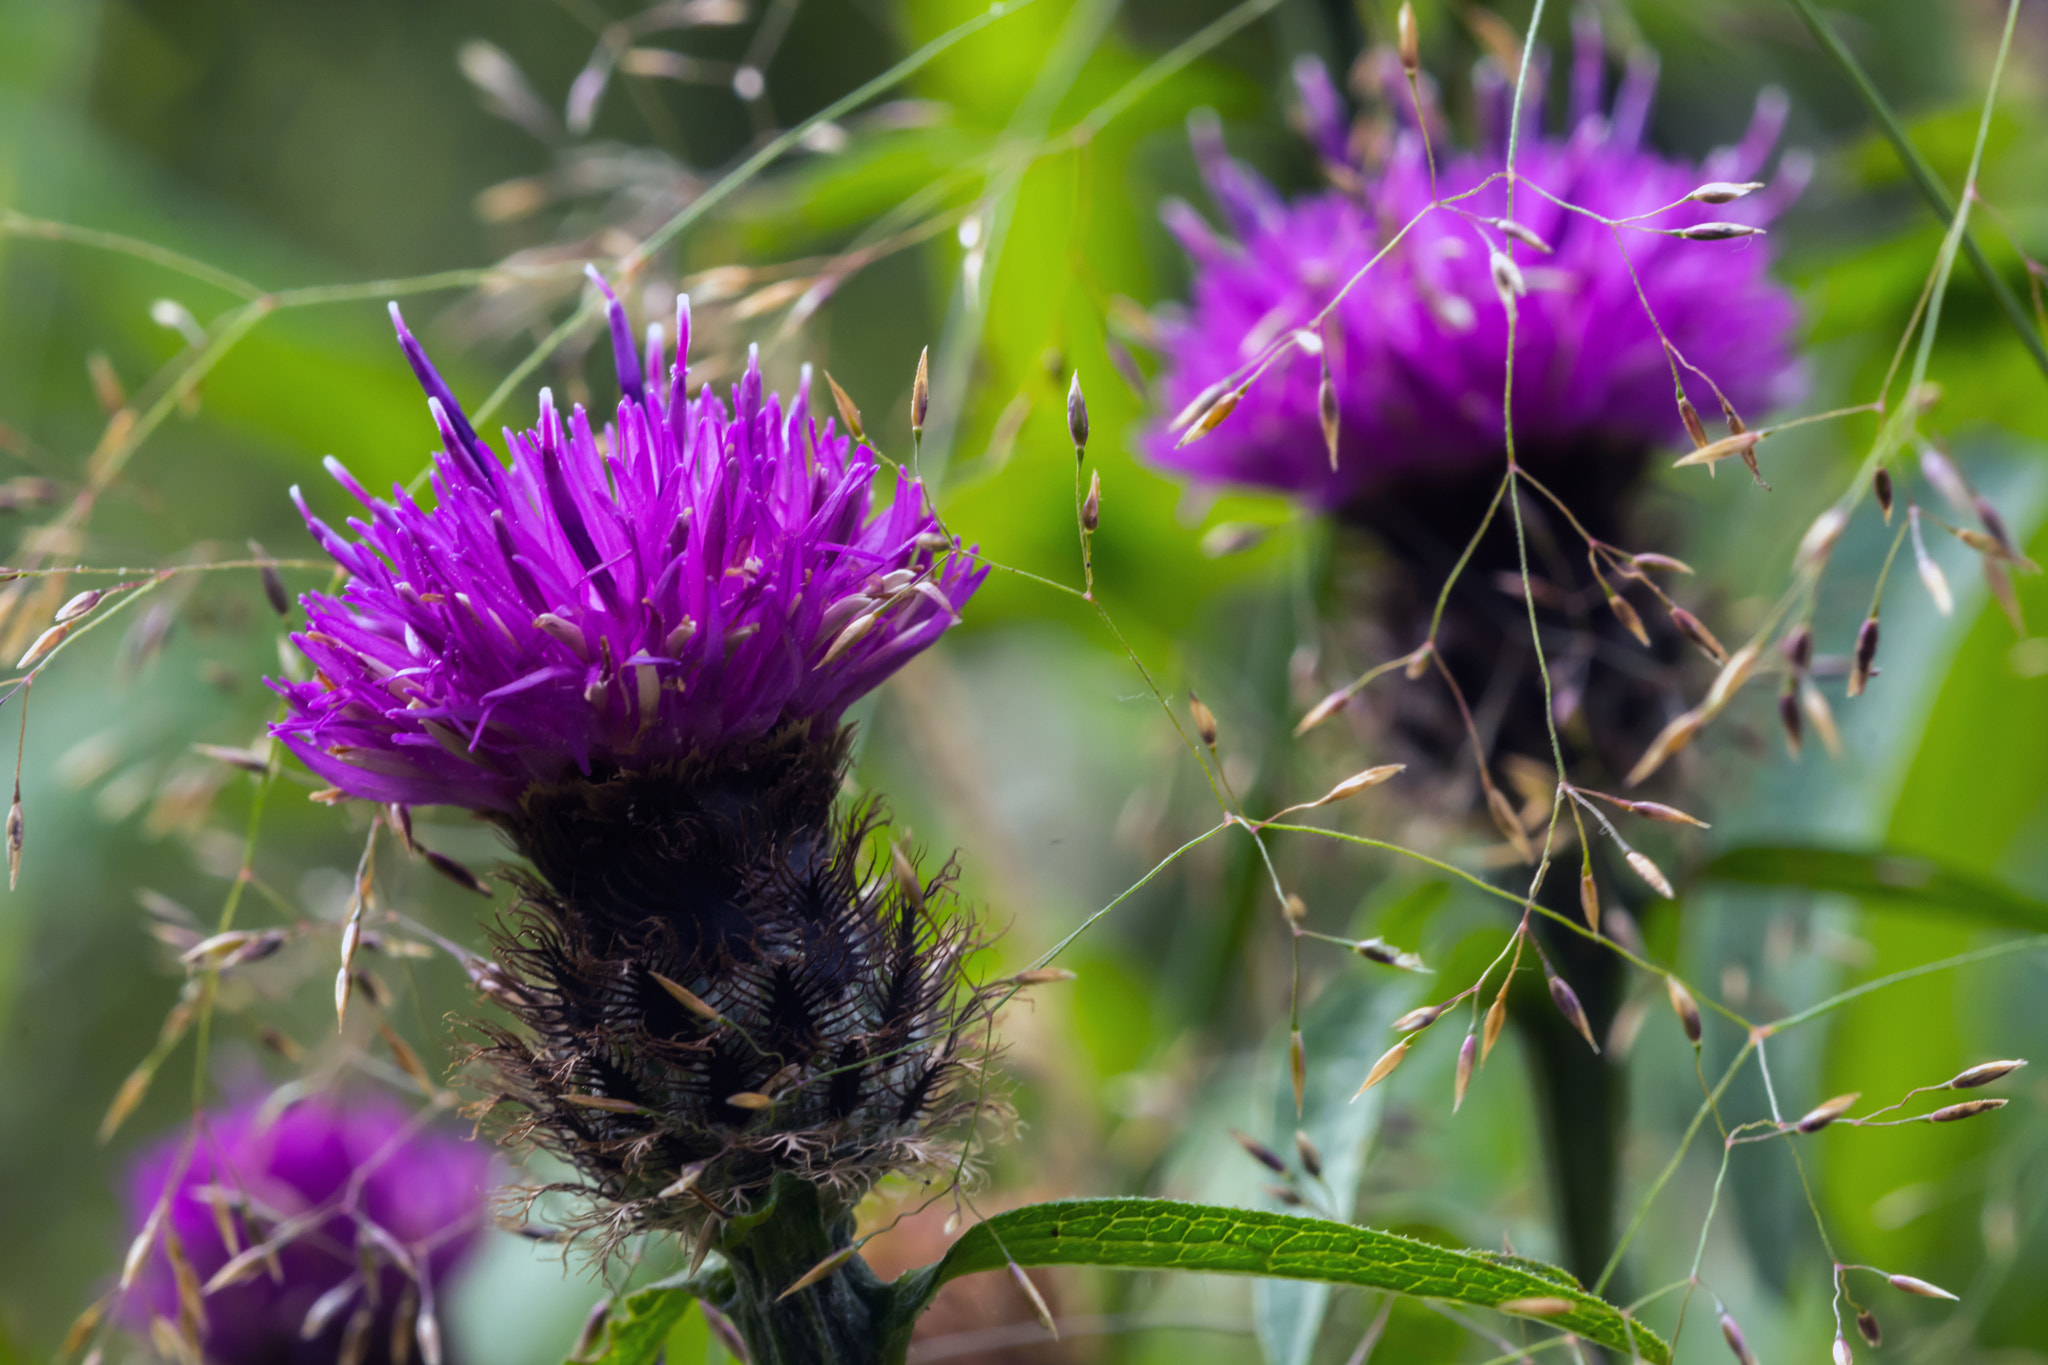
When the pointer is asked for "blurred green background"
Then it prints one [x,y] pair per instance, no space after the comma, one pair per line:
[301,145]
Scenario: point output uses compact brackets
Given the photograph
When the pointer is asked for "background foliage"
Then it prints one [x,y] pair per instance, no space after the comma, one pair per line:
[314,145]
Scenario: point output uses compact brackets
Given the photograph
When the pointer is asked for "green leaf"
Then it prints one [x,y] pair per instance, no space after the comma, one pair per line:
[1165,1234]
[1881,877]
[641,1322]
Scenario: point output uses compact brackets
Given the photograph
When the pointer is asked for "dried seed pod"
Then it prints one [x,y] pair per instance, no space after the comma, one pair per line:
[1788,721]
[1322,711]
[1384,1067]
[1931,575]
[1866,654]
[1589,899]
[1823,717]
[1826,1112]
[1567,1001]
[1670,815]
[1419,1018]
[1685,1007]
[1694,428]
[1732,1334]
[1968,1109]
[1326,410]
[1915,1286]
[1672,738]
[1037,1300]
[1311,1156]
[849,415]
[1211,417]
[1881,484]
[1297,1069]
[1260,1152]
[1091,506]
[1463,1077]
[1626,613]
[1496,1020]
[1406,39]
[1693,629]
[1722,192]
[1797,647]
[1984,1073]
[1717,232]
[1205,720]
[1652,874]
[921,391]
[1358,782]
[1077,413]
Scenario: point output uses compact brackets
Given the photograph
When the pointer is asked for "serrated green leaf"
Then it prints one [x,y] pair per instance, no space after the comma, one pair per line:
[641,1322]
[1881,876]
[1165,1234]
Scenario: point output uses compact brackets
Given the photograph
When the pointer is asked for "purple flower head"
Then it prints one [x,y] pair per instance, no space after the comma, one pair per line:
[379,1179]
[1417,349]
[690,578]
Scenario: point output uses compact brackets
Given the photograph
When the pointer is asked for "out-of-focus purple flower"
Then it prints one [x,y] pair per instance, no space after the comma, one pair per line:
[1417,349]
[365,1164]
[690,578]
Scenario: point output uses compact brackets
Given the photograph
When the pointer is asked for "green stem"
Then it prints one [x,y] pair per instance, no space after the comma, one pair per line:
[847,1318]
[1923,176]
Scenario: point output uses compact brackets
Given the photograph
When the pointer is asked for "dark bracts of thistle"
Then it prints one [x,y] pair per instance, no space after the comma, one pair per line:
[822,1027]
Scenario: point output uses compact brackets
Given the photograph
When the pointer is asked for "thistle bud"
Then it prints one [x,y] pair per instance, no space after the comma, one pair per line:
[1311,1156]
[921,392]
[1717,232]
[1866,654]
[1567,1001]
[1406,40]
[1463,1077]
[1259,1152]
[1077,413]
[1685,1007]
[1968,1109]
[1732,1334]
[1925,1290]
[1984,1073]
[1205,720]
[1091,506]
[1693,629]
[1881,484]
[1826,1112]
[1384,1067]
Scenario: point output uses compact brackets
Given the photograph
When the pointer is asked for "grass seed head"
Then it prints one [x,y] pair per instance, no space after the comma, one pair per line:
[1984,1073]
[1968,1109]
[1685,1007]
[1077,413]
[1826,1112]
[1865,655]
[1921,1287]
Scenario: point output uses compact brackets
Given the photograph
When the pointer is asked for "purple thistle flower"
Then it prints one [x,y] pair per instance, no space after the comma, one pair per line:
[365,1161]
[691,578]
[1417,348]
